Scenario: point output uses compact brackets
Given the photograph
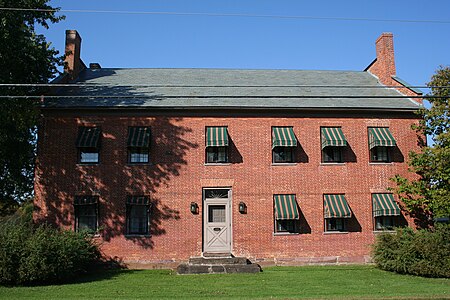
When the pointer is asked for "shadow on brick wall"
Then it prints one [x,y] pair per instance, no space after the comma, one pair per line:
[59,178]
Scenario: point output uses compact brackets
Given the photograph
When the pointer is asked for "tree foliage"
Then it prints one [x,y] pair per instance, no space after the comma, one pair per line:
[428,197]
[25,57]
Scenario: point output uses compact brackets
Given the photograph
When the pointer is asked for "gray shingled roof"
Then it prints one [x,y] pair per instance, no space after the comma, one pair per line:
[227,88]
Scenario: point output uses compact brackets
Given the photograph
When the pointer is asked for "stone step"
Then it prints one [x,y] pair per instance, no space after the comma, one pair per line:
[217,269]
[217,254]
[219,261]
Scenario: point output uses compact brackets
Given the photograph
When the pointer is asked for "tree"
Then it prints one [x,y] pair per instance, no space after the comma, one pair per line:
[25,57]
[428,197]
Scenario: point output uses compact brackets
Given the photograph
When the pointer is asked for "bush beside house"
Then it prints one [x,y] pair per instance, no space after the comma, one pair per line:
[35,255]
[423,252]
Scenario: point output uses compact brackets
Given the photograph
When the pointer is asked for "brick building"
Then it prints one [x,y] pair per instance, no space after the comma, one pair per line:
[280,166]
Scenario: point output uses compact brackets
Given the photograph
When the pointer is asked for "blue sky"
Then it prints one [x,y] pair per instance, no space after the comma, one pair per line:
[170,41]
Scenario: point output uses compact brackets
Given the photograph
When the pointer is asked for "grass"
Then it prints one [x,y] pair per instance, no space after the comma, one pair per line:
[318,282]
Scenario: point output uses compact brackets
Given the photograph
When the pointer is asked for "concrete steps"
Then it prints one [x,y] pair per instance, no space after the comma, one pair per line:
[213,264]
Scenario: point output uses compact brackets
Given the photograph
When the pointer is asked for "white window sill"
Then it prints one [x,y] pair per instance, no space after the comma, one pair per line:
[87,164]
[331,164]
[135,236]
[380,163]
[285,233]
[283,164]
[335,232]
[217,164]
[383,231]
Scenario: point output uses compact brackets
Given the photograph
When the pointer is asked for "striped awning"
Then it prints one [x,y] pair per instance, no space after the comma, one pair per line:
[85,200]
[284,137]
[88,137]
[216,136]
[335,206]
[138,200]
[286,207]
[332,136]
[138,137]
[380,136]
[384,205]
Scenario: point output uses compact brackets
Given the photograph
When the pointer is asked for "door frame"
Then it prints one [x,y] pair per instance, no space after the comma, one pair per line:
[205,212]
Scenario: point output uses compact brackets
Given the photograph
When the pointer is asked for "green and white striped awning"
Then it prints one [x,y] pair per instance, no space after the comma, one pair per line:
[384,205]
[216,136]
[138,200]
[286,207]
[335,206]
[332,136]
[138,137]
[284,137]
[380,136]
[88,137]
[85,200]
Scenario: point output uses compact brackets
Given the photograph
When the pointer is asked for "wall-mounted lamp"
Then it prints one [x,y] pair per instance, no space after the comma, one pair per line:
[194,208]
[242,208]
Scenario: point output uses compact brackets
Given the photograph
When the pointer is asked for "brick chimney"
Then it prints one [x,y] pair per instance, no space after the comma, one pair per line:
[72,62]
[384,65]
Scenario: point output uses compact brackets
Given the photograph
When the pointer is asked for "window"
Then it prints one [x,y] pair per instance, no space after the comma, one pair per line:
[138,145]
[286,214]
[386,211]
[333,140]
[138,155]
[88,144]
[379,154]
[88,155]
[336,212]
[336,224]
[216,145]
[216,155]
[288,226]
[284,143]
[380,140]
[386,222]
[332,154]
[282,155]
[138,215]
[86,213]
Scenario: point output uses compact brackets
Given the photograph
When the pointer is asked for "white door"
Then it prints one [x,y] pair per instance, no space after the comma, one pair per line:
[217,220]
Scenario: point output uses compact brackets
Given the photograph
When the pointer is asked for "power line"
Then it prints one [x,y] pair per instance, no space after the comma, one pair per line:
[157,97]
[222,15]
[209,86]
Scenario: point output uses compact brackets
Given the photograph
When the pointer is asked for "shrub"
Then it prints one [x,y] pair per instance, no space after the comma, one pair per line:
[44,254]
[422,252]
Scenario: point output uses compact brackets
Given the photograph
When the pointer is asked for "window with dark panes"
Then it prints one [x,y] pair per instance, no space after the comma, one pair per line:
[86,213]
[286,214]
[88,145]
[217,143]
[381,141]
[333,141]
[138,144]
[138,215]
[284,143]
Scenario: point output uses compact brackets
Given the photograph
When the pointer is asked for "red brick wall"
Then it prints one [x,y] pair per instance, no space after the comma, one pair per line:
[178,173]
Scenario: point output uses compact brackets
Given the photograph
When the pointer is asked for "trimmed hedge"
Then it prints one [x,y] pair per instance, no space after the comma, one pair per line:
[422,252]
[30,255]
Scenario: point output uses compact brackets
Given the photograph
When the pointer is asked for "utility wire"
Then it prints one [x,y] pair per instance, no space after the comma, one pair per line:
[159,97]
[221,15]
[209,86]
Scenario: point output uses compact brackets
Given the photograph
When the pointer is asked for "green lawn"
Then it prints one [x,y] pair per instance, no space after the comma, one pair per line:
[349,282]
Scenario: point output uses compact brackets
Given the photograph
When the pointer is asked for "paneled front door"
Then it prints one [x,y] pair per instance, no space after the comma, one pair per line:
[217,220]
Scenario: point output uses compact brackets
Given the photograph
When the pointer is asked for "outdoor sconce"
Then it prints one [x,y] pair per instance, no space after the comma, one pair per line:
[194,208]
[242,208]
